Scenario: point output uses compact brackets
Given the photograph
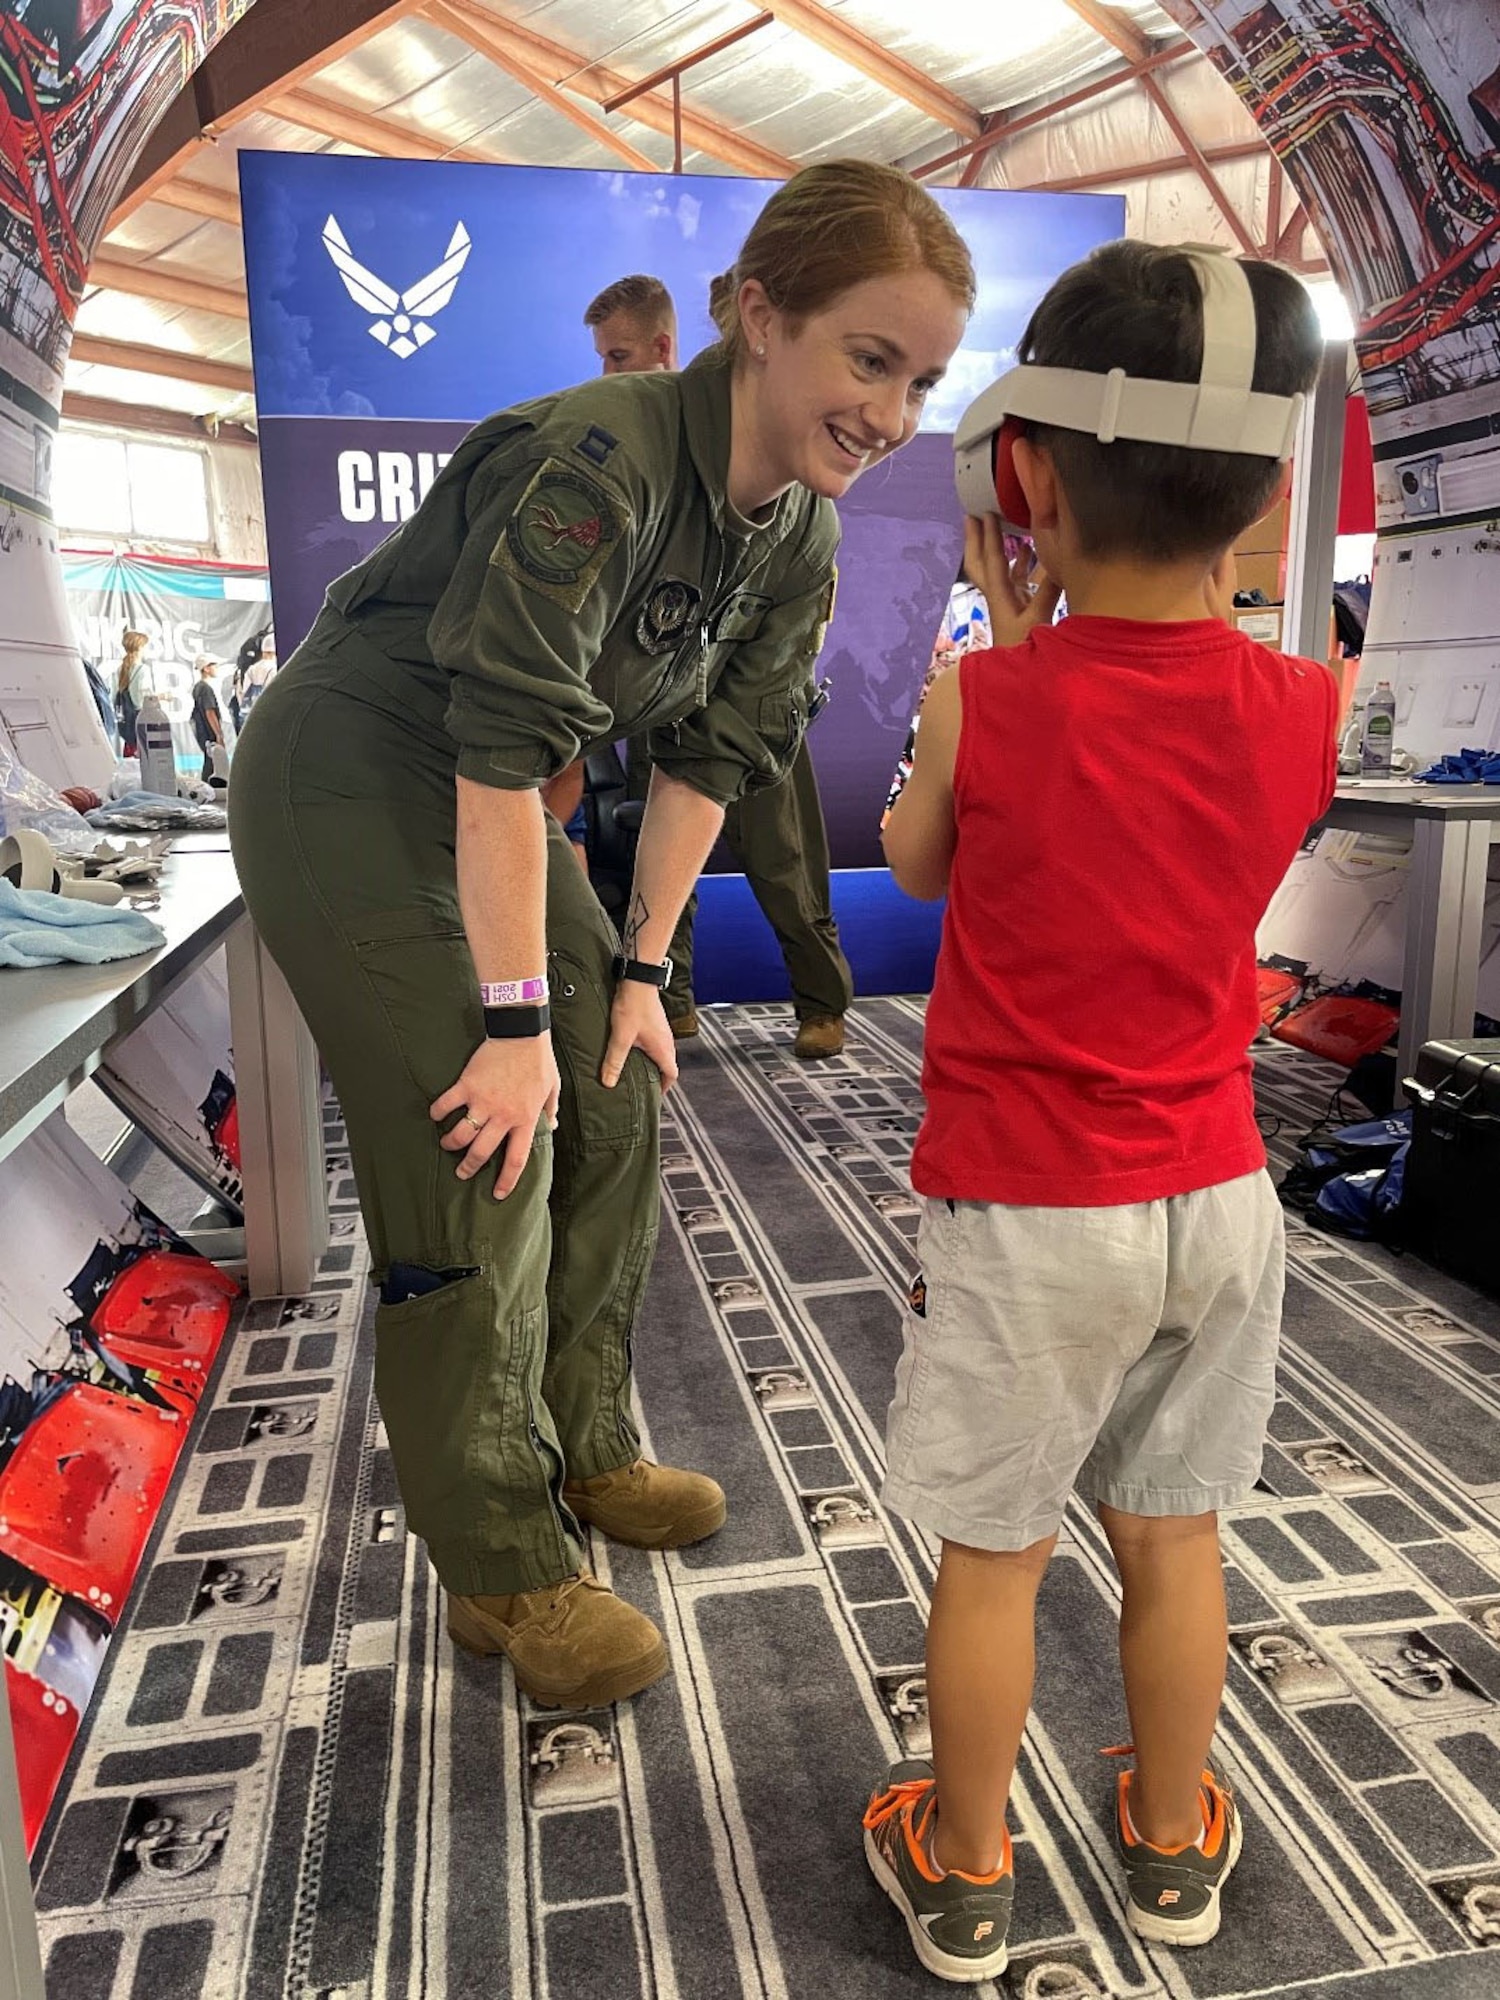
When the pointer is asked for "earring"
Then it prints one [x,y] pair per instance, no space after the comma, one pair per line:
[760,354]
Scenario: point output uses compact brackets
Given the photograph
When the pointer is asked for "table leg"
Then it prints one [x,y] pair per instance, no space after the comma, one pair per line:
[1444,920]
[281,1123]
[20,1950]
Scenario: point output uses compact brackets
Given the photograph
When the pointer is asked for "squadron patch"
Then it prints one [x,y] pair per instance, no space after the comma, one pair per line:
[561,534]
[741,617]
[916,1298]
[666,614]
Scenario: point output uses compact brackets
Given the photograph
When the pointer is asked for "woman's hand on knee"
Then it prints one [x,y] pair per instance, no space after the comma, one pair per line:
[505,1088]
[637,1021]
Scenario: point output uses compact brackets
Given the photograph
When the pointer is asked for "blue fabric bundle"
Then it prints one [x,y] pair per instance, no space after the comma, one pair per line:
[1467,767]
[38,928]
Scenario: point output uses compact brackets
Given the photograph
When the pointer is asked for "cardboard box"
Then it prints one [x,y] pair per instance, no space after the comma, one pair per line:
[1264,626]
[1265,537]
[1260,572]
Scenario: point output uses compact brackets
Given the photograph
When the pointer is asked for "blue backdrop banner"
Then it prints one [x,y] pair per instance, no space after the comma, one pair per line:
[394,303]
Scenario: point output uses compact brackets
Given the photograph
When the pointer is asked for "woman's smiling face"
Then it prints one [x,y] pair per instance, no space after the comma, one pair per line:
[847,386]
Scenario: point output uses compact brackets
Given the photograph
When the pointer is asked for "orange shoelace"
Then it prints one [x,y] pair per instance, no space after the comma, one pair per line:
[887,1805]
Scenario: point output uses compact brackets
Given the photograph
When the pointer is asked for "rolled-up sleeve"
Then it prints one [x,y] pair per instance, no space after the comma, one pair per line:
[544,566]
[746,735]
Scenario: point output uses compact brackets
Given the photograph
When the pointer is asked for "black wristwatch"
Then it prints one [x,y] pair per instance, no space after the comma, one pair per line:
[642,970]
[506,1024]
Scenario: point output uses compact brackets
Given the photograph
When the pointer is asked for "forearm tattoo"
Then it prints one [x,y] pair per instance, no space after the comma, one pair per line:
[635,923]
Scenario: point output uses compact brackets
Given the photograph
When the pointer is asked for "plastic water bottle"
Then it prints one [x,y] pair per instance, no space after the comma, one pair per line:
[158,760]
[1380,730]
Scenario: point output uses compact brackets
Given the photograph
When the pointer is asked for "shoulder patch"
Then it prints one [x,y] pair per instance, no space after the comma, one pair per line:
[561,534]
[596,444]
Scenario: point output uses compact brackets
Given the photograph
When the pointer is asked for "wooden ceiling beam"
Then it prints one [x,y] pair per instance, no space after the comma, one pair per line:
[77,409]
[390,138]
[1201,167]
[272,48]
[1005,128]
[1141,170]
[197,198]
[468,29]
[164,361]
[167,287]
[702,54]
[596,81]
[1116,27]
[830,31]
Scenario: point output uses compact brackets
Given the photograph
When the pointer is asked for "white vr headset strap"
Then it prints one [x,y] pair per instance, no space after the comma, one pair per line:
[1218,412]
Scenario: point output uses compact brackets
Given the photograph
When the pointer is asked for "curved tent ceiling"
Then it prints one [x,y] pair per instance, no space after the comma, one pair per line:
[1066,93]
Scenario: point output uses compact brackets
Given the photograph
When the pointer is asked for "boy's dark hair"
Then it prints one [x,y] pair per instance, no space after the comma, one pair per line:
[644,298]
[1138,306]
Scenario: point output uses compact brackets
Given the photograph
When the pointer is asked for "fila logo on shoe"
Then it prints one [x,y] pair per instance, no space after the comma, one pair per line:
[981,1932]
[1168,1896]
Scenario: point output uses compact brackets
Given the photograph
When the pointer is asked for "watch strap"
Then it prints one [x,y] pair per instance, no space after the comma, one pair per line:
[516,1023]
[643,971]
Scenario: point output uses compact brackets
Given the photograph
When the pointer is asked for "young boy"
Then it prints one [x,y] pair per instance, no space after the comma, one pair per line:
[1108,804]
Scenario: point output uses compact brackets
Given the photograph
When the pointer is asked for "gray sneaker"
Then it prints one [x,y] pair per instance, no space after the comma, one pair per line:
[958,1923]
[1174,1891]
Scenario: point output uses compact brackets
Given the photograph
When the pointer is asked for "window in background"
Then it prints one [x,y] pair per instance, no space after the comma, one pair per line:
[130,490]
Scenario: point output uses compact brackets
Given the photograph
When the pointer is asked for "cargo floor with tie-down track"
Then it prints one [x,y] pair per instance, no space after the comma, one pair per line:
[290,1786]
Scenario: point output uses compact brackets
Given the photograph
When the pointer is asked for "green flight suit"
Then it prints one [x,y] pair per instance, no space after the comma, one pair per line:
[778,837]
[576,572]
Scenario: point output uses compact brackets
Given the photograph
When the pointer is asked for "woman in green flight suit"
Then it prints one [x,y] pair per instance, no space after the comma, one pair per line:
[644,552]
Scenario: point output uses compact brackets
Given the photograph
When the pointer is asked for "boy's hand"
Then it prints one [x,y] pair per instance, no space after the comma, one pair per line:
[1019,594]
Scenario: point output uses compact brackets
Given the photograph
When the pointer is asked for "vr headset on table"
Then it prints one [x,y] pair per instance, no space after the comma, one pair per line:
[1218,412]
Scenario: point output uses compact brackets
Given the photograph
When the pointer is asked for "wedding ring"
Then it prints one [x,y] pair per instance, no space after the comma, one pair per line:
[470,1119]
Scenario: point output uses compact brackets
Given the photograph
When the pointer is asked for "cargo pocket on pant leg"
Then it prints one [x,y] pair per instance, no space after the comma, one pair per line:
[433,1356]
[620,1118]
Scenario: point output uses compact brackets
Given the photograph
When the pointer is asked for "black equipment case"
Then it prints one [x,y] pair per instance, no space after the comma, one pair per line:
[1450,1204]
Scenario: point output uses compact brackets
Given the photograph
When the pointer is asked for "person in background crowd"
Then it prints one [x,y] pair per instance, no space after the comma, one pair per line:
[652,552]
[102,701]
[634,324]
[254,671]
[777,836]
[208,724]
[132,685]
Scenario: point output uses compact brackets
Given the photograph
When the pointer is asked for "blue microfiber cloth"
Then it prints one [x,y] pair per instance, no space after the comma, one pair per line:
[1465,767]
[38,928]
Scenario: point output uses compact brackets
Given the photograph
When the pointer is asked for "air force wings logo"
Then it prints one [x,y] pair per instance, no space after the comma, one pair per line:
[402,325]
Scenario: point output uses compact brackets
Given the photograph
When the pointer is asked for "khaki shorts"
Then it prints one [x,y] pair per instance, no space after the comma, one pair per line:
[1130,1351]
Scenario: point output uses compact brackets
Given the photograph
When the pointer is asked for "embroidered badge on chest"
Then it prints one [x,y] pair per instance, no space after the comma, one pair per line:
[561,533]
[666,614]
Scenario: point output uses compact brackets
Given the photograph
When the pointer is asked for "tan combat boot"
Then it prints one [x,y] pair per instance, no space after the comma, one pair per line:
[573,1644]
[819,1035]
[649,1506]
[684,1026]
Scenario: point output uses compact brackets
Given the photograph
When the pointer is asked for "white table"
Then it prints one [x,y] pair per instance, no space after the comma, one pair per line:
[1451,829]
[56,1023]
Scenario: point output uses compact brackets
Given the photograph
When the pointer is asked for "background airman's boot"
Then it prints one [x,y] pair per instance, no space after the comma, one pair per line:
[649,1506]
[573,1644]
[819,1035]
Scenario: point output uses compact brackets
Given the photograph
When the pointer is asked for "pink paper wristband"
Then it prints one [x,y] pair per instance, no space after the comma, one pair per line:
[513,992]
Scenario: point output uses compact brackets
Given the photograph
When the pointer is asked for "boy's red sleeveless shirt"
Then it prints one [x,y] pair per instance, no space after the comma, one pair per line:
[1128,797]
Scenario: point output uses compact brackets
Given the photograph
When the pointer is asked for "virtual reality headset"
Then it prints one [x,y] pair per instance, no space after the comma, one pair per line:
[1218,412]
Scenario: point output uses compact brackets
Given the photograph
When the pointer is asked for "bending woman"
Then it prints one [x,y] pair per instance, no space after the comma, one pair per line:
[642,553]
